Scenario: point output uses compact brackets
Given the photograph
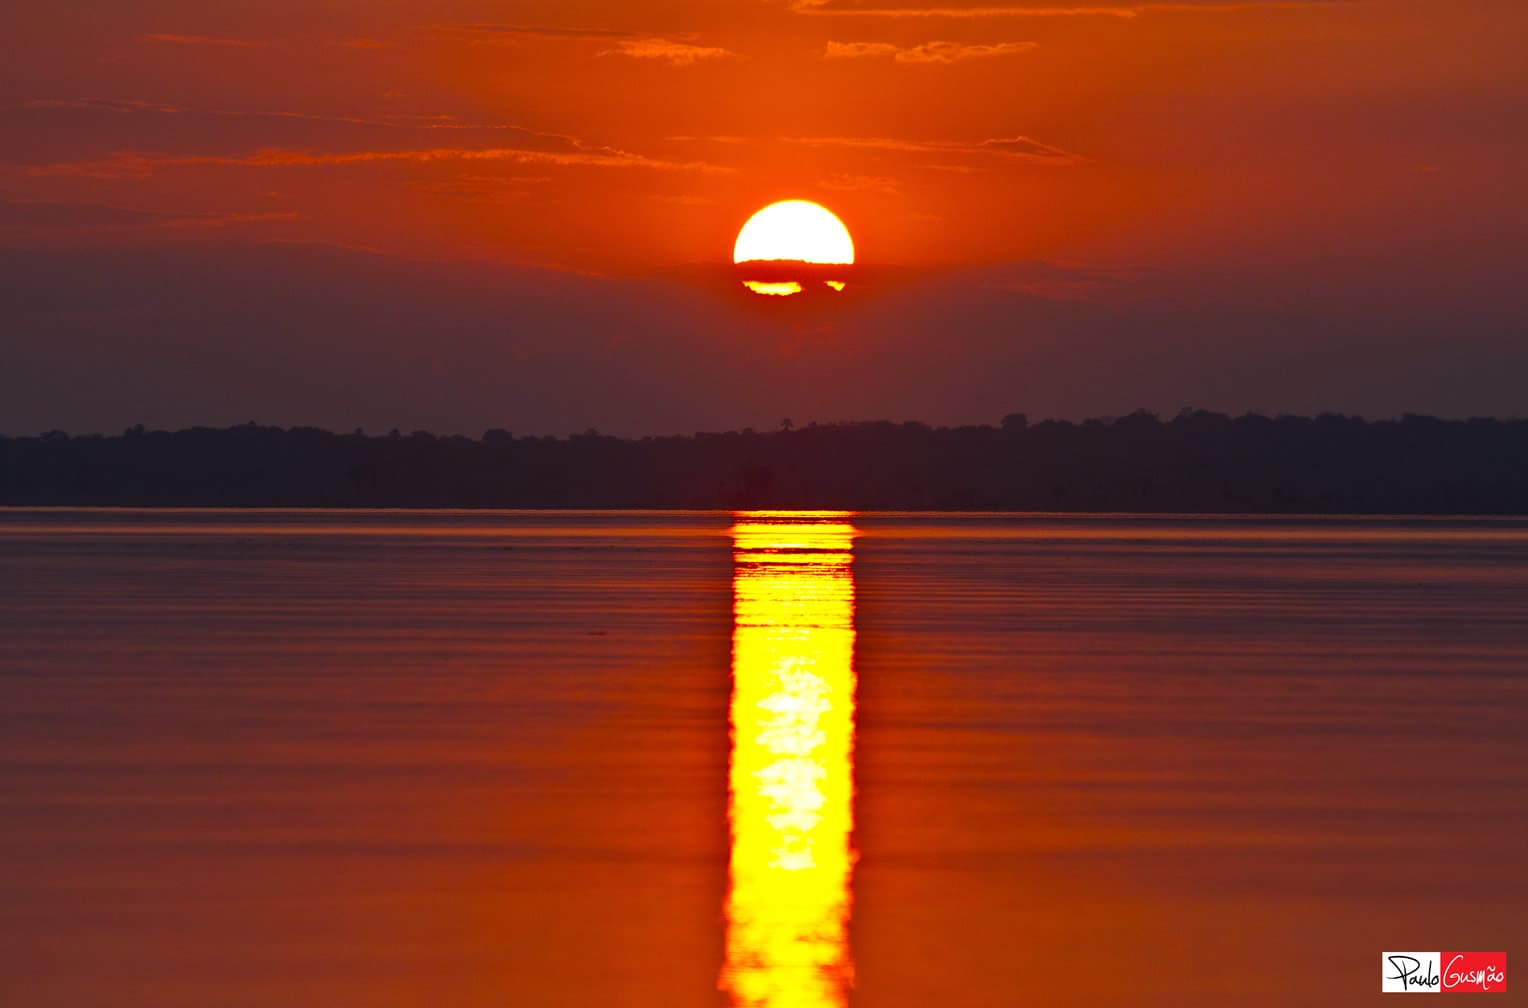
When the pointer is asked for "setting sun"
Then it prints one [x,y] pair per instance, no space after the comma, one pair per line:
[793,231]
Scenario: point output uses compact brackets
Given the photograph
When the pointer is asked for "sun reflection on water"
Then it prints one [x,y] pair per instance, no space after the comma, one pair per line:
[792,773]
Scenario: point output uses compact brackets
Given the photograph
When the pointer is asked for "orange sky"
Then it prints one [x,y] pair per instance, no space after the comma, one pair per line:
[1378,142]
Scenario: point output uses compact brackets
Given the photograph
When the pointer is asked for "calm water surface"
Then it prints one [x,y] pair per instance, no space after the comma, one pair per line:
[306,759]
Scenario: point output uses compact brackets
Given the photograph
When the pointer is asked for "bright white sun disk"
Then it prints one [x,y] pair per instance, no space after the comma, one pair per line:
[795,230]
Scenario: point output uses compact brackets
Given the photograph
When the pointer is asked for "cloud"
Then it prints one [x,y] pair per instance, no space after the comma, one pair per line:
[485,188]
[881,9]
[205,40]
[733,141]
[135,164]
[861,183]
[89,133]
[490,32]
[1022,146]
[676,52]
[928,52]
[918,9]
[50,218]
[1014,147]
[217,220]
[115,139]
[667,50]
[100,104]
[52,214]
[1017,147]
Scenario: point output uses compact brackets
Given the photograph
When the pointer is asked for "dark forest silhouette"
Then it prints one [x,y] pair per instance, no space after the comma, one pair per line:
[1195,462]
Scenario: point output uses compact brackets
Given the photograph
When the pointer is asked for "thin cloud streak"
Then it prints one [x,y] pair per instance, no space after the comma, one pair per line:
[843,182]
[132,164]
[848,8]
[489,31]
[41,217]
[204,40]
[928,52]
[1014,147]
[107,104]
[1018,147]
[208,221]
[667,50]
[634,45]
[439,121]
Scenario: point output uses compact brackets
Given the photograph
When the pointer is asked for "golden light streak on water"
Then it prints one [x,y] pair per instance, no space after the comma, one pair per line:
[792,771]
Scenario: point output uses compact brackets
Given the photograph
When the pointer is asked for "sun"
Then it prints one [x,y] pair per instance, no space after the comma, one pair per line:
[792,232]
[797,230]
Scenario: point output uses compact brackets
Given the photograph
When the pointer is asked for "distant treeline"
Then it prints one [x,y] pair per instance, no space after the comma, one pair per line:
[1195,462]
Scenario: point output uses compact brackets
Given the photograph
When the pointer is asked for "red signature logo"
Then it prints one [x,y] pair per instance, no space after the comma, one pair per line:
[1475,972]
